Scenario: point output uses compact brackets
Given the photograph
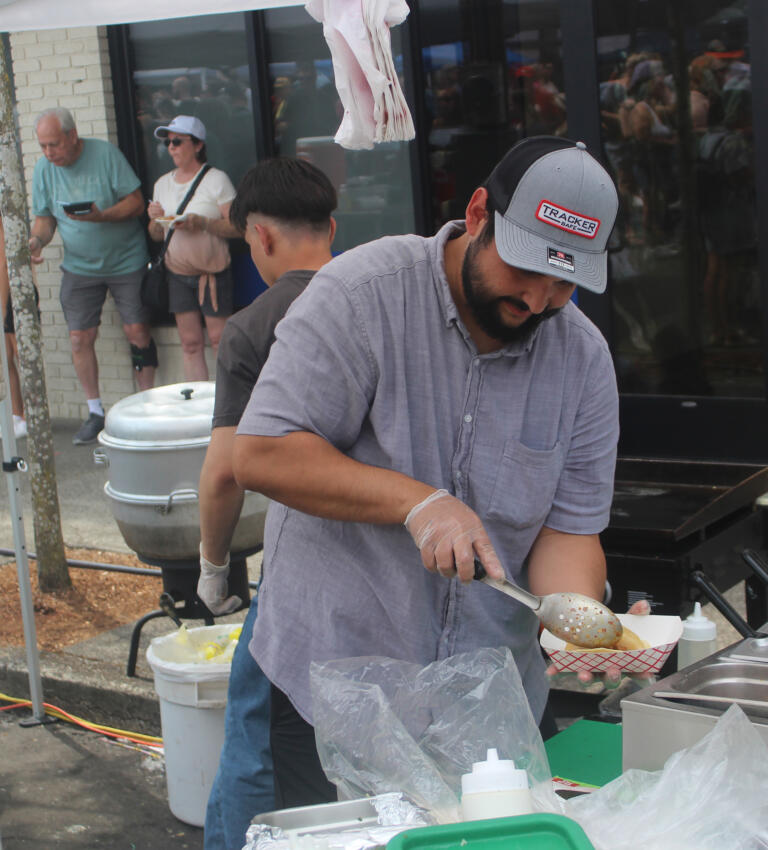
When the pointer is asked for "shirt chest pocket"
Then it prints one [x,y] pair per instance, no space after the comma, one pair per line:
[525,485]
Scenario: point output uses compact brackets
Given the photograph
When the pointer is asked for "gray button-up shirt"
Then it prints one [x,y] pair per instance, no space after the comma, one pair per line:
[374,358]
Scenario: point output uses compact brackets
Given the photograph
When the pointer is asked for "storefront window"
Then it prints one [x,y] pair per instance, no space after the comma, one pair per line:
[374,186]
[676,106]
[494,75]
[195,66]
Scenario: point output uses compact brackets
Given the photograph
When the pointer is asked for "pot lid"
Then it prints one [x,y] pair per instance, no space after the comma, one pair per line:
[170,414]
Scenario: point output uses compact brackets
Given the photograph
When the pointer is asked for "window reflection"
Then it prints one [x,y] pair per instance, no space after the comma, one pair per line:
[493,73]
[374,187]
[195,66]
[676,109]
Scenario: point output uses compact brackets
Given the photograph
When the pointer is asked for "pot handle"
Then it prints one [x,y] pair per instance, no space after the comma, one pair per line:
[166,508]
[100,458]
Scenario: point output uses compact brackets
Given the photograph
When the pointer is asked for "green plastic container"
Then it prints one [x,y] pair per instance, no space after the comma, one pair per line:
[524,832]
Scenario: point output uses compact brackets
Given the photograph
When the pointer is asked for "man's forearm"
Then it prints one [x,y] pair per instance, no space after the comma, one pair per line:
[42,230]
[131,206]
[305,472]
[221,497]
[220,507]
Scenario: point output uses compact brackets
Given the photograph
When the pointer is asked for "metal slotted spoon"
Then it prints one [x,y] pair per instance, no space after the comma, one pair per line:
[573,617]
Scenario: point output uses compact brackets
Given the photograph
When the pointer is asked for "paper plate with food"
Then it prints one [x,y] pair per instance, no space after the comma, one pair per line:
[644,646]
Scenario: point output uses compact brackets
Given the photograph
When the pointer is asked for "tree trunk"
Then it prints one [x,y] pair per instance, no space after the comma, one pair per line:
[52,570]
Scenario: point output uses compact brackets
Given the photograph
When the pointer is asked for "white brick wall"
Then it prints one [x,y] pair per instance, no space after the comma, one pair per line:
[70,67]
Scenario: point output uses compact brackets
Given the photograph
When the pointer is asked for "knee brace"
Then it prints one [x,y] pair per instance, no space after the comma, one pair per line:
[141,357]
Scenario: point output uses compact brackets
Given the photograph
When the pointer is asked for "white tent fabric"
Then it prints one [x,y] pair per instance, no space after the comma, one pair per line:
[19,15]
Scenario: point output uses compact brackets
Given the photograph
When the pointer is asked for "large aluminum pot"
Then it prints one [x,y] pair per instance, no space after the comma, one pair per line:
[154,443]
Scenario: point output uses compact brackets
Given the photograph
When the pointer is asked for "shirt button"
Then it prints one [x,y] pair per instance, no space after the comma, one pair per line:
[467,417]
[458,476]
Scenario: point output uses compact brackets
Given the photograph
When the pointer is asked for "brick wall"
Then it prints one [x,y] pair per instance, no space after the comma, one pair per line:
[70,67]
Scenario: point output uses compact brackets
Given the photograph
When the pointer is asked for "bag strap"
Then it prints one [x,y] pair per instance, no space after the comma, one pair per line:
[182,206]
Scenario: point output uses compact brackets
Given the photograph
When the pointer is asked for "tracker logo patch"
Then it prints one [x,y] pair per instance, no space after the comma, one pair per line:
[560,259]
[565,219]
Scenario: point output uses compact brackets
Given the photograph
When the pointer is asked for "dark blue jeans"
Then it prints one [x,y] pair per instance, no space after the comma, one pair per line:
[244,783]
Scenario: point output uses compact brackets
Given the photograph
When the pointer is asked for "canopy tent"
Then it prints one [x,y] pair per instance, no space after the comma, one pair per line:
[19,15]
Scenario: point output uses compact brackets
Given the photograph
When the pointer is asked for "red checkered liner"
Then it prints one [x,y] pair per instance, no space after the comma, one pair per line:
[662,632]
[633,661]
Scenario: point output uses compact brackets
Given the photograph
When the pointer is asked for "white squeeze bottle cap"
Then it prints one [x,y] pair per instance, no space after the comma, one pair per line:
[495,788]
[495,774]
[698,627]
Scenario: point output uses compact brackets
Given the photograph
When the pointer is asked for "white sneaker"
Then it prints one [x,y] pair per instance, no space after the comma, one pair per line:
[19,427]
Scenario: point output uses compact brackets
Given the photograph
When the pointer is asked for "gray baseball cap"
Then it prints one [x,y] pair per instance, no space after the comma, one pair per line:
[555,209]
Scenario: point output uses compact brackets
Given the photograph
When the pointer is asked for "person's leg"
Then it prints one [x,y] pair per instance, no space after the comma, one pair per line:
[143,354]
[244,785]
[215,327]
[126,292]
[192,345]
[17,404]
[299,776]
[83,344]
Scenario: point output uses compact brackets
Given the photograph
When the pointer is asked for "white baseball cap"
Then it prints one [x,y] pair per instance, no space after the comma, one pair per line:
[555,209]
[187,125]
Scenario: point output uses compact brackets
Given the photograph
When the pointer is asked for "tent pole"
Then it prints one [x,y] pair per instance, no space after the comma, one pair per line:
[12,466]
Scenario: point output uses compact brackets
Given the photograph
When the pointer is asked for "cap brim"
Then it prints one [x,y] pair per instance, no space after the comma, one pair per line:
[524,250]
[160,132]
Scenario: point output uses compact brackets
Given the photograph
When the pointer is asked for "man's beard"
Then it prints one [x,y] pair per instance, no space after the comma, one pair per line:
[486,309]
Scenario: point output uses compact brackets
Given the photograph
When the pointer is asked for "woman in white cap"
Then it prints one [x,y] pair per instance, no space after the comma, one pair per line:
[197,257]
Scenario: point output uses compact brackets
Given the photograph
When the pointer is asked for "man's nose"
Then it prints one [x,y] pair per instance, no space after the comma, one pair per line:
[537,294]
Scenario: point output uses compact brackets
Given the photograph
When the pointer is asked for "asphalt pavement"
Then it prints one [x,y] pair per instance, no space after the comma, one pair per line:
[62,786]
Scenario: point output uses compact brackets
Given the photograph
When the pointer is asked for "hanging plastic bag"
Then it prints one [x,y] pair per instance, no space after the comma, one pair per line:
[711,796]
[385,725]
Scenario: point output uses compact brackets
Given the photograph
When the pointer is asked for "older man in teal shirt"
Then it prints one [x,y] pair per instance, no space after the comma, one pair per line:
[104,248]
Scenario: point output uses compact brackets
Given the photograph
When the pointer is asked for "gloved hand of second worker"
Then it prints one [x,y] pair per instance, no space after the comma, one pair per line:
[212,587]
[450,535]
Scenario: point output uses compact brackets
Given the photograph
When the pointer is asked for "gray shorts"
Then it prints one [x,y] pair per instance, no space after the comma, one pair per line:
[82,297]
[183,294]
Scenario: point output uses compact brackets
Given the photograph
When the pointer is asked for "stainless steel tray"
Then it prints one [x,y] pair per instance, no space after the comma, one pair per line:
[751,649]
[325,817]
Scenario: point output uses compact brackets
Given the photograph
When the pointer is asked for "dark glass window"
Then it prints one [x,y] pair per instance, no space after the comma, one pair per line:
[374,186]
[676,106]
[195,66]
[493,74]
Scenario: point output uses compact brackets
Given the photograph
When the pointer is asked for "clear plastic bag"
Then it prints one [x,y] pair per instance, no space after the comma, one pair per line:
[385,725]
[711,796]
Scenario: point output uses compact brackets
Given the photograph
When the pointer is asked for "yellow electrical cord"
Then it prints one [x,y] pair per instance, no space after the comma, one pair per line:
[55,711]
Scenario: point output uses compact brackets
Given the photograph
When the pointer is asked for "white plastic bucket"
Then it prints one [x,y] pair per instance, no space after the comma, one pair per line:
[193,698]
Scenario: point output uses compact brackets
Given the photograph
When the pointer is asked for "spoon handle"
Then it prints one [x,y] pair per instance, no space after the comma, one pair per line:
[533,602]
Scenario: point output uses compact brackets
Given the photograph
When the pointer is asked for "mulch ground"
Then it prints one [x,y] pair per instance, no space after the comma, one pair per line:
[99,600]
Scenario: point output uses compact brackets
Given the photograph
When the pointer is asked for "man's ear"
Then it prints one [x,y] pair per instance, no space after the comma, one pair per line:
[476,214]
[332,231]
[266,239]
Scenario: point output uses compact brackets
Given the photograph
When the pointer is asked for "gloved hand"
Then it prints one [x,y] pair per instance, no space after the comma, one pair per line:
[212,587]
[449,536]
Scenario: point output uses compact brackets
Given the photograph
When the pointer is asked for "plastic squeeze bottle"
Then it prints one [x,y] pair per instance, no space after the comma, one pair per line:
[494,789]
[699,638]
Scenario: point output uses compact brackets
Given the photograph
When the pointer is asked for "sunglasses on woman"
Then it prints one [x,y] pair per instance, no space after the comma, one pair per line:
[175,142]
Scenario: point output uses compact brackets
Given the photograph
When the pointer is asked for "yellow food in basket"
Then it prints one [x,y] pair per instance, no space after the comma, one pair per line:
[628,641]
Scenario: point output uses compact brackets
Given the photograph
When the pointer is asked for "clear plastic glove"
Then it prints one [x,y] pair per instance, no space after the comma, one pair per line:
[449,536]
[612,676]
[212,587]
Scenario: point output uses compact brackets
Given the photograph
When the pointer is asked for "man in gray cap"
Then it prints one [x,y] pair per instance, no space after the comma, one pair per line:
[428,402]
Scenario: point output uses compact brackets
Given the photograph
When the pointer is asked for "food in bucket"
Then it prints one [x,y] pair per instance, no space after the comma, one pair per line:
[627,642]
[217,651]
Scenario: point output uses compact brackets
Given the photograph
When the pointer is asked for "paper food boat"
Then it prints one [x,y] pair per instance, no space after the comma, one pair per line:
[661,632]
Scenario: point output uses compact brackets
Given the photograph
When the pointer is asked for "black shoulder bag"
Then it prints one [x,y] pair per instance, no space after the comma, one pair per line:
[154,284]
